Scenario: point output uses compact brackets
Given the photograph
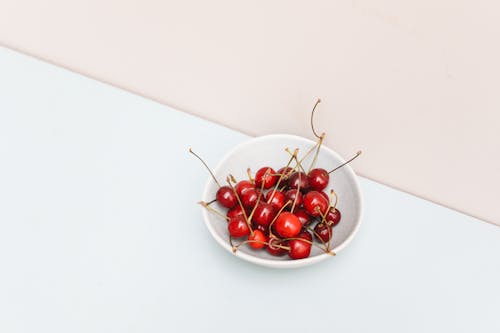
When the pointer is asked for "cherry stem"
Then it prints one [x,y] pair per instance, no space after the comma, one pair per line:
[211,201]
[318,236]
[296,194]
[323,220]
[330,230]
[348,161]
[277,245]
[206,166]
[309,151]
[210,209]
[234,248]
[268,171]
[249,173]
[228,180]
[315,158]
[295,152]
[312,118]
[334,194]
[299,164]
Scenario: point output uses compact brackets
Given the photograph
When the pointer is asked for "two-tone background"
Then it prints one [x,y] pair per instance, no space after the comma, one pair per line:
[415,84]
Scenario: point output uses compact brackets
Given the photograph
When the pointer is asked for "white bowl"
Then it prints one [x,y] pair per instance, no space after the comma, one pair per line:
[269,150]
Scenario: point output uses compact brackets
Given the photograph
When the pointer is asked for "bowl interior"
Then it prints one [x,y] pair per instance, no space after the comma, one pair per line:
[270,151]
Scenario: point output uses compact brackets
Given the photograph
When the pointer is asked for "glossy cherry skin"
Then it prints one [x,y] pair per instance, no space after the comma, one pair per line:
[274,250]
[333,217]
[323,232]
[315,203]
[235,212]
[318,179]
[325,195]
[297,179]
[278,199]
[299,249]
[290,195]
[226,197]
[287,225]
[267,180]
[258,238]
[305,235]
[238,227]
[249,198]
[264,213]
[263,229]
[303,216]
[285,171]
[242,186]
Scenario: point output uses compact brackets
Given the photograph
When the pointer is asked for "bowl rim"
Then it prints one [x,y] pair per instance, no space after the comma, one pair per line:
[282,263]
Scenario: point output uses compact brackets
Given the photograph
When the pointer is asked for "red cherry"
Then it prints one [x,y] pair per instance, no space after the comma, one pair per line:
[238,227]
[285,171]
[268,180]
[263,214]
[226,197]
[259,238]
[299,249]
[323,232]
[242,186]
[273,249]
[315,203]
[303,216]
[325,195]
[263,229]
[333,217]
[292,194]
[249,198]
[318,179]
[278,199]
[297,179]
[287,225]
[234,212]
[304,234]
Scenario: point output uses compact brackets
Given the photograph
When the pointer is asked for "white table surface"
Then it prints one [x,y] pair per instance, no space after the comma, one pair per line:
[99,231]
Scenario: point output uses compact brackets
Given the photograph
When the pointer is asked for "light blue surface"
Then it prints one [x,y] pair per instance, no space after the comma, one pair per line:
[99,231]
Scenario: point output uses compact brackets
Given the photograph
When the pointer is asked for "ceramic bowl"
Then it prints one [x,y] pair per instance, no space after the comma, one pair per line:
[270,151]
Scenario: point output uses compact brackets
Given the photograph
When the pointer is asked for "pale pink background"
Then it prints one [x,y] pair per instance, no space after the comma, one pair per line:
[415,84]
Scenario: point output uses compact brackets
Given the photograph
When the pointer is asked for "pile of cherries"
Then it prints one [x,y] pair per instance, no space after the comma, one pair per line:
[281,211]
[285,211]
